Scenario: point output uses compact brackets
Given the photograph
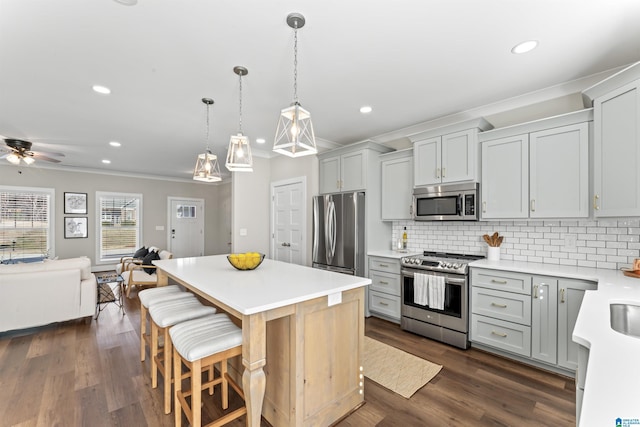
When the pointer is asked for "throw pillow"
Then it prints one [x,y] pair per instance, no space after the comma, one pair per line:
[151,256]
[141,253]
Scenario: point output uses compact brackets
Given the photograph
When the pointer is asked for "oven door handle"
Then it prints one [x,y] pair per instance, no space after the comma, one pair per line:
[447,280]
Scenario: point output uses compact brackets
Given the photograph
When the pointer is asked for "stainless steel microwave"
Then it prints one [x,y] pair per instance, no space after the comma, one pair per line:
[447,202]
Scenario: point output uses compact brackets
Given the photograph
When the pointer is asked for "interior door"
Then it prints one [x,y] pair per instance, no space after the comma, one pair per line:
[289,218]
[186,227]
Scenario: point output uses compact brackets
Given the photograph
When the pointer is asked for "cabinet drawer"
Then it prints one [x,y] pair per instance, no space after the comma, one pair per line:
[384,264]
[500,334]
[507,306]
[501,280]
[388,305]
[385,282]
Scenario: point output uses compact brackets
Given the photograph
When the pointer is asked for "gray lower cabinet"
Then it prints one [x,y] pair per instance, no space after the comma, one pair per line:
[384,291]
[529,316]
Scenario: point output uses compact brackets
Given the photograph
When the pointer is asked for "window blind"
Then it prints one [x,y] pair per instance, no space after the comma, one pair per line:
[119,224]
[25,224]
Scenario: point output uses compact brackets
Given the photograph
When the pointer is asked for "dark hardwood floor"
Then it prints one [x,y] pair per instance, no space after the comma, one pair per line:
[89,374]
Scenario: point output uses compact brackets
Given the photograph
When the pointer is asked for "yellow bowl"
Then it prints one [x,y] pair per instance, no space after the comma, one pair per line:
[246,261]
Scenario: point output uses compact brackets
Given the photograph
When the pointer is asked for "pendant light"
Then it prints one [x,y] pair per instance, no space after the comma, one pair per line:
[207,168]
[294,135]
[239,154]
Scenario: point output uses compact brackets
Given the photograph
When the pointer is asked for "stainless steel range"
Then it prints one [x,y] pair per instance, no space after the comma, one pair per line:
[445,316]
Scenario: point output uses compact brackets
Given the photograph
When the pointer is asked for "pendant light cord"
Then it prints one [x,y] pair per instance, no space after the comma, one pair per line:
[295,64]
[240,124]
[208,105]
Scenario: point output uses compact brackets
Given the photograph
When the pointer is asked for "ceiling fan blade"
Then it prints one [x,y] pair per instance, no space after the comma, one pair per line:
[47,153]
[39,156]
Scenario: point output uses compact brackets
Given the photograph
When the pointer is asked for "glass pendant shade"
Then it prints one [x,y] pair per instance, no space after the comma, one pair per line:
[239,157]
[294,134]
[207,168]
[28,160]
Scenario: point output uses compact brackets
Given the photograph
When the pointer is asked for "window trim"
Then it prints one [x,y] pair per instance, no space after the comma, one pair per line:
[51,192]
[99,196]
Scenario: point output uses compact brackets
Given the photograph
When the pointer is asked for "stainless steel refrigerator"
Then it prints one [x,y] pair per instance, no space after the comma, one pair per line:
[338,233]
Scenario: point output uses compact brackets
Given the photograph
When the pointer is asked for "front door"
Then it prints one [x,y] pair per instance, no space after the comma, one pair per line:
[288,238]
[186,227]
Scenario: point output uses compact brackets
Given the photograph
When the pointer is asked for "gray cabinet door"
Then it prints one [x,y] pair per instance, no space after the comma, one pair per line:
[505,178]
[397,183]
[617,152]
[570,294]
[544,319]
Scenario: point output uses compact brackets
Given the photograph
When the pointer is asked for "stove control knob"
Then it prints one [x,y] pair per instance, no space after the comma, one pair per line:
[416,261]
[456,265]
[403,260]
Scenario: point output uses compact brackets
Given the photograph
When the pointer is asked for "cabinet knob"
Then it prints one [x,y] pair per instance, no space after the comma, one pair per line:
[533,205]
[535,291]
[595,202]
[562,295]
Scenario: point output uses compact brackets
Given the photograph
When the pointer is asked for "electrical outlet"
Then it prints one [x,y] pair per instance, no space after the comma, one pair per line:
[570,240]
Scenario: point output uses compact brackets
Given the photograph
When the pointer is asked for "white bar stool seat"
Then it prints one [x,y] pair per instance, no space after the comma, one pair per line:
[163,316]
[152,296]
[200,343]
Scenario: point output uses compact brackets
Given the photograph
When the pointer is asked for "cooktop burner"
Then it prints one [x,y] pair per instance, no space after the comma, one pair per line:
[441,261]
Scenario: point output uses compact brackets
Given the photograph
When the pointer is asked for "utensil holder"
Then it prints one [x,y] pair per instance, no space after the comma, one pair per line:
[493,253]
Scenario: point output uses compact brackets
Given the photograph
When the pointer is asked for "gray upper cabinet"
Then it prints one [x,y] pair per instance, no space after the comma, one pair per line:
[538,169]
[616,141]
[397,184]
[617,152]
[447,154]
[348,168]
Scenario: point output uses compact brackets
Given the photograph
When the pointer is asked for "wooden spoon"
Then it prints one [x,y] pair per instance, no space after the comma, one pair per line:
[487,239]
[500,240]
[494,239]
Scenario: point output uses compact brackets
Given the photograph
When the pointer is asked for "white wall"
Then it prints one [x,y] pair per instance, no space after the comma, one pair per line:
[154,209]
[250,208]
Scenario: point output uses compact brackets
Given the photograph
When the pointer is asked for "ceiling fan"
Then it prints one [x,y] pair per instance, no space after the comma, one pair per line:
[18,149]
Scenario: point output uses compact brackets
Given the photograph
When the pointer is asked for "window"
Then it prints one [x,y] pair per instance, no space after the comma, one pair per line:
[119,223]
[26,223]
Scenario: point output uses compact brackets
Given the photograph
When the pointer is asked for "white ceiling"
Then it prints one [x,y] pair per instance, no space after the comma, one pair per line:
[411,60]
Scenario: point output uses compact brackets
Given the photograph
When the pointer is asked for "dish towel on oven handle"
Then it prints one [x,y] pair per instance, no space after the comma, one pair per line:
[436,292]
[420,289]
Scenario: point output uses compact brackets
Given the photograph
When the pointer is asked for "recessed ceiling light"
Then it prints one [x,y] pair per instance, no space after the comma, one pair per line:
[366,109]
[106,162]
[127,2]
[101,89]
[525,47]
[115,144]
[260,140]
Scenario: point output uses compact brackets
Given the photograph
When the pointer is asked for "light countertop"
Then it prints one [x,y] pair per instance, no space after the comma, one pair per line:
[613,371]
[272,285]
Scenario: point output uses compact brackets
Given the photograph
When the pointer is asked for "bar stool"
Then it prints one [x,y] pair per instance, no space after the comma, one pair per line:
[163,316]
[152,296]
[200,343]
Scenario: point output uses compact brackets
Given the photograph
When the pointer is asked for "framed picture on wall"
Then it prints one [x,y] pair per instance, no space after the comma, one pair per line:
[75,227]
[75,203]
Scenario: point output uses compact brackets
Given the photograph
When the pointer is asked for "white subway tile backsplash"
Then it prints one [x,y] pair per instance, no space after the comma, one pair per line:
[603,243]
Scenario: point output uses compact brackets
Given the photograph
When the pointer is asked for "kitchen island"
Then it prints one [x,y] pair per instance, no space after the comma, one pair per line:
[302,329]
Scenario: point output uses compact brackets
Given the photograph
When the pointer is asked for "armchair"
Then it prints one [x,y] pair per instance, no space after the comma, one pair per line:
[136,258]
[142,273]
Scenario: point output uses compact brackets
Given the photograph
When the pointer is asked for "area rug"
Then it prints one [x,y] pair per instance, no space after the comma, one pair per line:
[400,372]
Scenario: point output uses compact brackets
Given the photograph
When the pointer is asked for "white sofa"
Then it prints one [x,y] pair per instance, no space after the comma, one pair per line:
[39,293]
